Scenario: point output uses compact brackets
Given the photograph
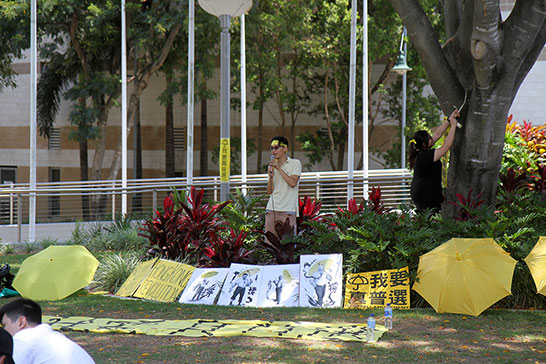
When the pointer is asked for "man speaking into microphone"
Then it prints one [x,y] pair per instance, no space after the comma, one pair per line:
[282,186]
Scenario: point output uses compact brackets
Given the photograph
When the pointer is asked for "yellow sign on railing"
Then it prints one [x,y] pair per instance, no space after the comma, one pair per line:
[225,153]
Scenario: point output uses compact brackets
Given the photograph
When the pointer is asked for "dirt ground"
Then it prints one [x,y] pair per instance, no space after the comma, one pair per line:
[428,341]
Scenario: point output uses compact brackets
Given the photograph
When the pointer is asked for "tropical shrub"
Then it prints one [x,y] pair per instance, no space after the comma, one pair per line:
[245,212]
[184,232]
[281,245]
[524,146]
[226,250]
[467,205]
[160,232]
[309,210]
[113,271]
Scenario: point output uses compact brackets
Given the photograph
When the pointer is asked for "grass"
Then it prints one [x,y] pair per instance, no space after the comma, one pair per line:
[419,335]
[503,336]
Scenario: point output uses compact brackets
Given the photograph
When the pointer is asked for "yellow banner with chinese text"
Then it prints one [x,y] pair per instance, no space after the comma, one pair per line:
[225,154]
[377,289]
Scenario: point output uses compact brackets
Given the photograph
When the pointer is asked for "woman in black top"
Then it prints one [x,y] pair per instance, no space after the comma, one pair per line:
[426,187]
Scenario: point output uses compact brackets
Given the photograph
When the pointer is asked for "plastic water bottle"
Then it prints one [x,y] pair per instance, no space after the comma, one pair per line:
[388,316]
[370,332]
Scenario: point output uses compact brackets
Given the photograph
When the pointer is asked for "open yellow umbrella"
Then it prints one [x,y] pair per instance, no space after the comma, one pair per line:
[55,273]
[465,276]
[536,261]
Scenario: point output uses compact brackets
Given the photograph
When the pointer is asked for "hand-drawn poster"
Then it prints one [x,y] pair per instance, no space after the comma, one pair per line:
[280,286]
[241,285]
[136,278]
[321,280]
[204,286]
[376,289]
[165,282]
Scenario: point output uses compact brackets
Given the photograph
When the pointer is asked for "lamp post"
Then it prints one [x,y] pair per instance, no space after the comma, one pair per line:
[33,113]
[225,10]
[401,67]
[352,84]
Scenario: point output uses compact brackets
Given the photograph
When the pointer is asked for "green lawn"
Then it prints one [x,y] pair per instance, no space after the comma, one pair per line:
[419,335]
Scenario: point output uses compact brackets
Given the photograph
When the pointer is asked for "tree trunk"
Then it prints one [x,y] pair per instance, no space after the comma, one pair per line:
[260,125]
[341,155]
[137,197]
[476,154]
[84,176]
[169,135]
[485,59]
[142,82]
[204,154]
[98,202]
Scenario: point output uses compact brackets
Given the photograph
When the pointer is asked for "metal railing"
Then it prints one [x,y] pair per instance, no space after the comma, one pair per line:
[101,200]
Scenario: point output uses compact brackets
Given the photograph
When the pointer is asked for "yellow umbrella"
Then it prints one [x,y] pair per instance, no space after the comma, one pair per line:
[536,261]
[55,273]
[465,276]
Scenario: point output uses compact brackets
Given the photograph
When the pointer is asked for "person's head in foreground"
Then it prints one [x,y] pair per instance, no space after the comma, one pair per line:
[6,347]
[20,314]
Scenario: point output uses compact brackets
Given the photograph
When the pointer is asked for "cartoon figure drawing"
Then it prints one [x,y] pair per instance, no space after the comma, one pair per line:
[201,289]
[277,286]
[319,280]
[240,284]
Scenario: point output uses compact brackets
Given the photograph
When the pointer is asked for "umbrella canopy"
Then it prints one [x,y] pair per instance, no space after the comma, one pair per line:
[465,276]
[55,273]
[536,261]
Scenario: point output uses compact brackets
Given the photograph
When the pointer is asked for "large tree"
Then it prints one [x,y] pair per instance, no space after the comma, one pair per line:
[89,32]
[484,59]
[14,25]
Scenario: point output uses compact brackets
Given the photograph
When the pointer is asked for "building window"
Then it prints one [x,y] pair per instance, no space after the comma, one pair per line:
[54,200]
[179,140]
[8,175]
[54,141]
[8,204]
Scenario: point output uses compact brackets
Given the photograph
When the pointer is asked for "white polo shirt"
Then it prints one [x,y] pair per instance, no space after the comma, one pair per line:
[42,345]
[284,197]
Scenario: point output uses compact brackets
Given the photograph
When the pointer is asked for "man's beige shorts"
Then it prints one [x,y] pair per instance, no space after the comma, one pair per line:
[272,216]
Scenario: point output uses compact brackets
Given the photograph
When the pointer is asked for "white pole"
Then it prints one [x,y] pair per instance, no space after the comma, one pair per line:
[33,92]
[365,165]
[124,111]
[352,81]
[191,75]
[243,105]
[224,95]
[404,84]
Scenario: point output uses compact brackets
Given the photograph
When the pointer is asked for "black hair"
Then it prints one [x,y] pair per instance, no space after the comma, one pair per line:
[281,140]
[418,143]
[6,346]
[22,307]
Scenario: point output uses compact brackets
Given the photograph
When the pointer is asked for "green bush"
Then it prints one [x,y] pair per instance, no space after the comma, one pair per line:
[46,242]
[370,241]
[120,235]
[114,270]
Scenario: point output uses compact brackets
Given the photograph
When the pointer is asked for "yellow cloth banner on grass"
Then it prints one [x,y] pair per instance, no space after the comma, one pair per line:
[218,328]
[377,289]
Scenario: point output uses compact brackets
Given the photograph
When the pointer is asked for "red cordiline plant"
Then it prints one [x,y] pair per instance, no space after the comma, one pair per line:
[309,210]
[282,252]
[467,205]
[224,251]
[185,231]
[374,201]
